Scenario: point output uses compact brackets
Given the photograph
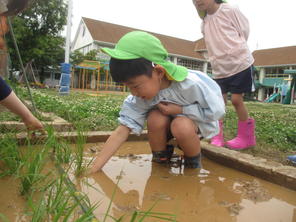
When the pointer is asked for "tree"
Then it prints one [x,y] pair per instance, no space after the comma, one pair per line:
[77,57]
[38,33]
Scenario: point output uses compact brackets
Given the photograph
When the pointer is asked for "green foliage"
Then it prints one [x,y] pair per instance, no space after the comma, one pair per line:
[89,112]
[37,31]
[10,155]
[78,154]
[275,124]
[31,170]
[61,149]
[77,57]
[59,203]
[3,218]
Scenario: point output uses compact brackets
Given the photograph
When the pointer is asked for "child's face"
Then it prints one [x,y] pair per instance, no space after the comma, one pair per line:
[144,86]
[203,5]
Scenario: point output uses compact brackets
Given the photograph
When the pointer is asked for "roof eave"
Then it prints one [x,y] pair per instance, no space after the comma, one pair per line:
[277,65]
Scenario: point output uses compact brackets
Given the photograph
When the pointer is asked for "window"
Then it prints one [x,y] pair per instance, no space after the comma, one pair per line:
[83,31]
[275,72]
[191,64]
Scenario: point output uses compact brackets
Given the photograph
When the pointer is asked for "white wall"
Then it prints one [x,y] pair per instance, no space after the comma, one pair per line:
[82,38]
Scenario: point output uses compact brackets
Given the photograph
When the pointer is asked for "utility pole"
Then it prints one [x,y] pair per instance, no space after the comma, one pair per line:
[69,26]
[65,79]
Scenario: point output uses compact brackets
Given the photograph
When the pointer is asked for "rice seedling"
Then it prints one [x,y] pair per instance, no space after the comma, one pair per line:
[61,203]
[3,218]
[10,155]
[60,148]
[30,173]
[39,210]
[78,160]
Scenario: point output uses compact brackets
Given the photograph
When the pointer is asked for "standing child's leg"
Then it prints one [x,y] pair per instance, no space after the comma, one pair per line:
[158,128]
[218,140]
[185,132]
[246,126]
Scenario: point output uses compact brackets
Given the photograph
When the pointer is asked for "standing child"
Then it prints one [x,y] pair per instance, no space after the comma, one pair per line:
[226,31]
[173,100]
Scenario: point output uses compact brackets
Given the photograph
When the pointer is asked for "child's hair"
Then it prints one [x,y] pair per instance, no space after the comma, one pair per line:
[219,1]
[123,70]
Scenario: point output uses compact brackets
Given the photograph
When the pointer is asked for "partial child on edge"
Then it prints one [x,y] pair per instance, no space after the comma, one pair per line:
[174,101]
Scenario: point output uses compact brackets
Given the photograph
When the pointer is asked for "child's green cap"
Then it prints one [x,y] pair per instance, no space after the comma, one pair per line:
[138,44]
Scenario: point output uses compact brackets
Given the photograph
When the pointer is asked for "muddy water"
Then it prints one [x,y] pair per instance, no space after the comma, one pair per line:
[214,193]
[12,205]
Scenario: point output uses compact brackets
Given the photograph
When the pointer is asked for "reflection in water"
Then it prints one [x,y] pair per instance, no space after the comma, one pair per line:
[215,193]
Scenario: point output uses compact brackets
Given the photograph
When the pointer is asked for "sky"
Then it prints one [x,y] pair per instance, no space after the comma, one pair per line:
[272,22]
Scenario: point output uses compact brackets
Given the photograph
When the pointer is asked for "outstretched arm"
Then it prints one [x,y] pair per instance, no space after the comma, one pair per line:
[118,137]
[13,103]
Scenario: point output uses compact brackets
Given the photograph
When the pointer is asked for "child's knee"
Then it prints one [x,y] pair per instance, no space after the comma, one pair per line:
[156,120]
[182,128]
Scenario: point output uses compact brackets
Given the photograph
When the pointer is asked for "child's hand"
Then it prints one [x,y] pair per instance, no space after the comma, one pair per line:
[169,108]
[94,167]
[34,125]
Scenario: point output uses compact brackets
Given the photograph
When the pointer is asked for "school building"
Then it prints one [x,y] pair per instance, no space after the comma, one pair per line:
[93,34]
[271,65]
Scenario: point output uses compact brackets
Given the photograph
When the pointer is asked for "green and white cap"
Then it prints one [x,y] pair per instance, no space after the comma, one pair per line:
[139,44]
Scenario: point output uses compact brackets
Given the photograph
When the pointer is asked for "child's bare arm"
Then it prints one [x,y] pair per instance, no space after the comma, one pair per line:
[112,144]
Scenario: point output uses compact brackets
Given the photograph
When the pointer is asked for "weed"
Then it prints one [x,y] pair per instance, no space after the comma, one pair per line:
[10,155]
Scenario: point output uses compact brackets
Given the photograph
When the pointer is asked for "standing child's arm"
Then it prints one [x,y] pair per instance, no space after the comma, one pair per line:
[241,23]
[112,144]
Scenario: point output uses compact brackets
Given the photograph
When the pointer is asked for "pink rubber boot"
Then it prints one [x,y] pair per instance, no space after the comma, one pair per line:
[218,140]
[245,136]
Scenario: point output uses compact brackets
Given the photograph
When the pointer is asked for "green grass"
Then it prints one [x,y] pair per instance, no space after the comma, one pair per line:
[275,123]
[275,129]
[59,203]
[89,112]
[31,170]
[9,155]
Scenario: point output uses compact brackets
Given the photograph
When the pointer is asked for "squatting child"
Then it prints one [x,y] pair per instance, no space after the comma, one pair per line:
[175,102]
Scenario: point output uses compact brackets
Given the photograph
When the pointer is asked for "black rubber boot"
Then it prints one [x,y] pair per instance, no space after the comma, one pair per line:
[193,162]
[163,156]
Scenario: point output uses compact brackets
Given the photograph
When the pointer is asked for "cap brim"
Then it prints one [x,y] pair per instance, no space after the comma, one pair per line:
[176,72]
[119,54]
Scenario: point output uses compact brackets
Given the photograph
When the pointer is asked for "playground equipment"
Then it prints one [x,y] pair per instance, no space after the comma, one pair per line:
[286,91]
[279,92]
[290,97]
[94,75]
[271,98]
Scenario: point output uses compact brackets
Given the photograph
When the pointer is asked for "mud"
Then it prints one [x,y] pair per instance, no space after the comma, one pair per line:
[130,182]
[214,193]
[12,205]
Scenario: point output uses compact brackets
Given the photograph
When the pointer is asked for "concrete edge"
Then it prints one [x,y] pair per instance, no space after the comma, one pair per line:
[20,126]
[255,166]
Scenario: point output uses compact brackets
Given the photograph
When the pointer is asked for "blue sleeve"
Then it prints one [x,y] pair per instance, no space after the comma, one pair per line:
[5,90]
[133,114]
[206,100]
